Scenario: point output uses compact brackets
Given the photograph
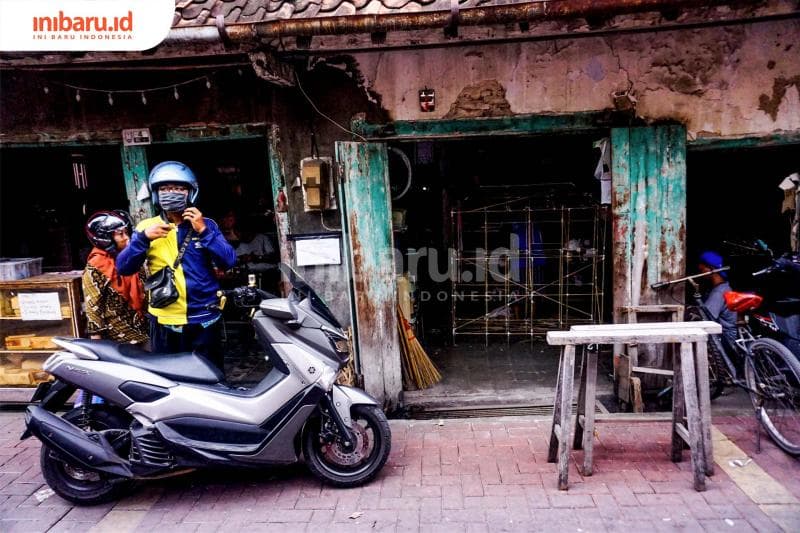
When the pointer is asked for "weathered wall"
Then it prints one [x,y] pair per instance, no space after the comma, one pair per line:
[734,80]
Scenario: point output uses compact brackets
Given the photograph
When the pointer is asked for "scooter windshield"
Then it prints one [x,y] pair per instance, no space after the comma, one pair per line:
[304,289]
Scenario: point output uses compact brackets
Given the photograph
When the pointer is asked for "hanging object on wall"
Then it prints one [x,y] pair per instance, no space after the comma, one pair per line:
[136,136]
[142,92]
[427,100]
[602,171]
[316,180]
[400,183]
[282,203]
[79,176]
[791,206]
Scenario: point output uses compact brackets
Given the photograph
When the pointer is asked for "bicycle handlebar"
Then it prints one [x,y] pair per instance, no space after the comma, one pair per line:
[662,284]
[246,296]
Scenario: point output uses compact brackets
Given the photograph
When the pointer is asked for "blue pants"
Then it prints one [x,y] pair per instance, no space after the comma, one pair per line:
[194,338]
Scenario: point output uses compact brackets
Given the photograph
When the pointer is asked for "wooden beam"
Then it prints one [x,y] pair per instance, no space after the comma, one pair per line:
[494,126]
[178,134]
[705,144]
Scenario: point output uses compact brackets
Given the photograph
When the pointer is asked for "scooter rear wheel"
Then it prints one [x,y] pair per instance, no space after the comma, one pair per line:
[331,463]
[74,483]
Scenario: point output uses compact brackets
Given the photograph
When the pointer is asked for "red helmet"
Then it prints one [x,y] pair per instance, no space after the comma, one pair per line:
[101,226]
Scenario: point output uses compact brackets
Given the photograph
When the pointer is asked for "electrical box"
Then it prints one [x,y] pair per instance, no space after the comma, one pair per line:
[317,183]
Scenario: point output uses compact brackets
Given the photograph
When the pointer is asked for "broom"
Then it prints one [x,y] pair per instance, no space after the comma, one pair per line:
[418,369]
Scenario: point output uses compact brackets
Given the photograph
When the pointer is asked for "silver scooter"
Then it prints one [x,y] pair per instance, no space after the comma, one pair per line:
[165,414]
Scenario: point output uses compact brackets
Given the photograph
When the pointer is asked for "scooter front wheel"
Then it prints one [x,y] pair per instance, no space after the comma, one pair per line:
[333,464]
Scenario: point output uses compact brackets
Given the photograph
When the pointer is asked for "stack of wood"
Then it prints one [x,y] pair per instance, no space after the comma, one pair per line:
[418,370]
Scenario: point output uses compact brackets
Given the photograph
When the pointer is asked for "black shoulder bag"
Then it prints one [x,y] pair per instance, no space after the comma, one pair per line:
[160,287]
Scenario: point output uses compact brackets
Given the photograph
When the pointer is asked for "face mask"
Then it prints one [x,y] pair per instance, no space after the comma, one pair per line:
[172,201]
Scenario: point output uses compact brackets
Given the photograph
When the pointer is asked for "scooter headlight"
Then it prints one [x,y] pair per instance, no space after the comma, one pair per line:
[339,342]
[341,346]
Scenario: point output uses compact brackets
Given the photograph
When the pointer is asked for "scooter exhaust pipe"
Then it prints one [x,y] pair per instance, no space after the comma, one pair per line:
[88,449]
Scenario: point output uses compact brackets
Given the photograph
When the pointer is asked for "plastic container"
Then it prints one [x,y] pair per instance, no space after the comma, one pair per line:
[12,268]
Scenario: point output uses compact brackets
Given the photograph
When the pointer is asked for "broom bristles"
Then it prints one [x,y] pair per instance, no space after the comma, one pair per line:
[418,369]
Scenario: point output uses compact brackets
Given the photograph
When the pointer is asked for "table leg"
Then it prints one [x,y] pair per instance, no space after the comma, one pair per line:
[567,378]
[704,393]
[552,452]
[588,408]
[693,415]
[678,408]
[577,442]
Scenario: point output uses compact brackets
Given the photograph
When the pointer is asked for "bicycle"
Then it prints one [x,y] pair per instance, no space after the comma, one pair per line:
[771,371]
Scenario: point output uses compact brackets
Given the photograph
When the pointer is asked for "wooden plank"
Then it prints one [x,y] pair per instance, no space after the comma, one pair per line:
[371,260]
[706,325]
[656,309]
[683,433]
[626,336]
[693,415]
[703,391]
[637,402]
[648,370]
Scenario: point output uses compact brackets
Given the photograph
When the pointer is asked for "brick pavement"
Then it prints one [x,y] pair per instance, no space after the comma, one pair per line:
[460,475]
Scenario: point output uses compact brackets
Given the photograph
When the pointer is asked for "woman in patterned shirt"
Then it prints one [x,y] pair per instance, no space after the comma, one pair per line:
[114,303]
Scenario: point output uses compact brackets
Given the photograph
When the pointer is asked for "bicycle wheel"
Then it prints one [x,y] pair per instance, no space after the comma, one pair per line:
[717,372]
[773,379]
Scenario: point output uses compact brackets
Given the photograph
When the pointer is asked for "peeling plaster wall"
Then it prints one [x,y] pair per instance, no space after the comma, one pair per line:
[729,81]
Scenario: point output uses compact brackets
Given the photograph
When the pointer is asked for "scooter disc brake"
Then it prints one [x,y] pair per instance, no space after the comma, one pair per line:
[334,453]
[80,474]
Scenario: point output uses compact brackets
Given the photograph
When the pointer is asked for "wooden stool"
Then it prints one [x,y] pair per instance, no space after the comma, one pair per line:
[690,394]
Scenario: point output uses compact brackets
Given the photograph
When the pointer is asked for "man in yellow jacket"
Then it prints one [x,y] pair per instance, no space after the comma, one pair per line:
[191,323]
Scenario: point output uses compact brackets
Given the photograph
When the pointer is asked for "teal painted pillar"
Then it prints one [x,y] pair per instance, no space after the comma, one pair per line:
[367,223]
[278,184]
[649,210]
[649,244]
[135,171]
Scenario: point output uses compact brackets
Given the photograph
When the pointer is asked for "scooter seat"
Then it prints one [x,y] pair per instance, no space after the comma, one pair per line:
[740,302]
[186,367]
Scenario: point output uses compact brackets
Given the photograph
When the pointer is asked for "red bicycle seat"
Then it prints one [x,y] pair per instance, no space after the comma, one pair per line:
[740,302]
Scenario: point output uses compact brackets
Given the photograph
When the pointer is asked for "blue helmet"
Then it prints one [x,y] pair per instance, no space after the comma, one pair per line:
[713,260]
[171,172]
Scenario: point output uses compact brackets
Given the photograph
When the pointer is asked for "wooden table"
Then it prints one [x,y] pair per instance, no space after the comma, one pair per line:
[690,399]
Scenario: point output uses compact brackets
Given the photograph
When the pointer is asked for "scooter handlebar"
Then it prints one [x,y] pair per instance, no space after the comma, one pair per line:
[246,296]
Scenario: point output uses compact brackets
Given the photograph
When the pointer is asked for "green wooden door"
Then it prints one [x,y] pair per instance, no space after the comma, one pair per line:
[367,222]
[135,171]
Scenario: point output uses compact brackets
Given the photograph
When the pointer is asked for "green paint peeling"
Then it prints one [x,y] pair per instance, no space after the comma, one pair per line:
[366,217]
[216,132]
[649,184]
[135,171]
[275,162]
